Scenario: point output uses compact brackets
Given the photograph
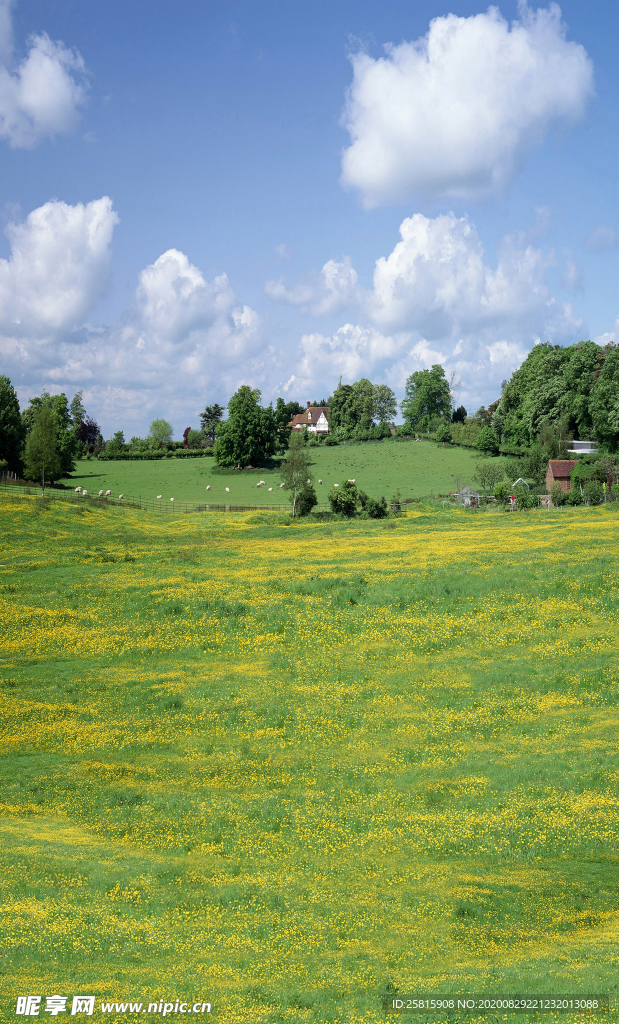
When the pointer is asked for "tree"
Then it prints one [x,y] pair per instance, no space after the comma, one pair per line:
[41,454]
[210,420]
[78,412]
[116,445]
[160,433]
[11,426]
[385,405]
[443,434]
[66,439]
[459,415]
[306,499]
[87,433]
[249,435]
[427,394]
[285,411]
[556,438]
[295,469]
[487,441]
[488,474]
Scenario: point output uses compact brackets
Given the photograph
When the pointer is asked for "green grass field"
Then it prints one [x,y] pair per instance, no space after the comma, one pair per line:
[417,468]
[279,767]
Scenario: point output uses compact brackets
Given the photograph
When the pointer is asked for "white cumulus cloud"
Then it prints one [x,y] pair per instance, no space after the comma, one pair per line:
[333,288]
[41,96]
[58,268]
[453,113]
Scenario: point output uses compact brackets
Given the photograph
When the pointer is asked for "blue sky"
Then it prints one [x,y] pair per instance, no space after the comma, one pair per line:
[201,195]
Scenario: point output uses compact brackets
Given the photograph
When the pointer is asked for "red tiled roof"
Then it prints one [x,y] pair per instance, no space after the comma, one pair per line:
[309,417]
[561,467]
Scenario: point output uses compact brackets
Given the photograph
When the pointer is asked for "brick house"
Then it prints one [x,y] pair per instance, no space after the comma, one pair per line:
[558,472]
[315,418]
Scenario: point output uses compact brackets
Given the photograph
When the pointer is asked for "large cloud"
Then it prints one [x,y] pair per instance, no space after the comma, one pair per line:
[436,299]
[453,113]
[41,96]
[183,341]
[59,267]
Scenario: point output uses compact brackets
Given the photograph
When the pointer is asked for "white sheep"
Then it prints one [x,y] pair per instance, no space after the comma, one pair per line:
[78,490]
[101,494]
[171,499]
[208,487]
[270,488]
[158,497]
[336,485]
[308,480]
[107,494]
[227,490]
[282,485]
[84,491]
[320,481]
[350,481]
[120,497]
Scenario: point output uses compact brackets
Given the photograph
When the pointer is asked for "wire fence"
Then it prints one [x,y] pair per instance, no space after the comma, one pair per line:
[23,488]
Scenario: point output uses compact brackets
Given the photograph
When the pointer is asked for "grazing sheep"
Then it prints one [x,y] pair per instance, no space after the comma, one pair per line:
[308,480]
[282,485]
[320,481]
[171,499]
[336,485]
[120,497]
[270,488]
[100,494]
[158,497]
[227,490]
[208,487]
[78,490]
[350,481]
[107,494]
[84,491]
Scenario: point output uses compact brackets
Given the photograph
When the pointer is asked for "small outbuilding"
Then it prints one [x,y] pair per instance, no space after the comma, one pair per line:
[467,496]
[559,472]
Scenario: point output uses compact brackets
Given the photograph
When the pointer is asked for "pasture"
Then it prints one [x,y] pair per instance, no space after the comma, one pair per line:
[280,767]
[379,467]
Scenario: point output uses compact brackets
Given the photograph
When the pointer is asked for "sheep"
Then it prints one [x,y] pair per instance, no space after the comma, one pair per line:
[120,497]
[270,488]
[308,480]
[158,497]
[227,490]
[336,485]
[351,481]
[78,490]
[107,494]
[320,481]
[208,487]
[171,499]
[101,494]
[84,491]
[282,485]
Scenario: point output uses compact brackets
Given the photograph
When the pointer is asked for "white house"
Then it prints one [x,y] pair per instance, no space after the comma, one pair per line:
[315,418]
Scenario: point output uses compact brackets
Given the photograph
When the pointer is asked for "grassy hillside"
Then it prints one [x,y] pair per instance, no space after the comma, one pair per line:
[417,468]
[279,767]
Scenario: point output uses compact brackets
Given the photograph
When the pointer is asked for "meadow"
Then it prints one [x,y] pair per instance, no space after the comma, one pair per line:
[379,467]
[286,767]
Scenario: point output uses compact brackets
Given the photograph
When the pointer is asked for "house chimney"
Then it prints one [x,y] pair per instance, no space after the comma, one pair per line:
[308,405]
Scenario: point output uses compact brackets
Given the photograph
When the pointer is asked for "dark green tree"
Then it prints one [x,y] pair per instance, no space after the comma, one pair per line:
[210,420]
[604,402]
[459,415]
[427,395]
[42,459]
[11,426]
[249,435]
[78,412]
[66,440]
[385,404]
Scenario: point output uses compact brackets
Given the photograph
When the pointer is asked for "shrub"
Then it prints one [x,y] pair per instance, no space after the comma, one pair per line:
[487,441]
[524,499]
[574,497]
[443,434]
[593,493]
[306,499]
[557,494]
[376,508]
[502,491]
[344,499]
[330,440]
